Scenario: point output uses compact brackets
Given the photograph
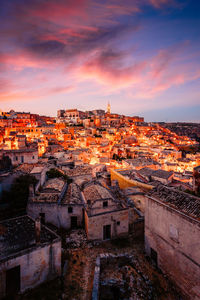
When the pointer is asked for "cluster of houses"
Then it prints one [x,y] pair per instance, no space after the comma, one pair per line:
[124,177]
[107,206]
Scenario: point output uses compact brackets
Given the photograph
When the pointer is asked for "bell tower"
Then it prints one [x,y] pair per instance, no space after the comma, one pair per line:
[108,108]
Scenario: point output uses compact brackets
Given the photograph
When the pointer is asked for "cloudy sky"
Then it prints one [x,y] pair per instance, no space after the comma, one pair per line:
[141,55]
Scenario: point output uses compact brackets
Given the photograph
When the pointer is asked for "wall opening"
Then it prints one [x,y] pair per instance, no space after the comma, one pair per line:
[13,281]
[42,218]
[105,203]
[106,232]
[73,222]
[154,256]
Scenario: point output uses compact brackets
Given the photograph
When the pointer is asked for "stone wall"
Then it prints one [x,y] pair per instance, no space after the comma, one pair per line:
[176,239]
[125,182]
[94,224]
[139,201]
[55,214]
[28,157]
[37,265]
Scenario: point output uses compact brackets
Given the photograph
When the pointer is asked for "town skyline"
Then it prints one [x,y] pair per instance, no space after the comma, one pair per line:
[165,118]
[141,56]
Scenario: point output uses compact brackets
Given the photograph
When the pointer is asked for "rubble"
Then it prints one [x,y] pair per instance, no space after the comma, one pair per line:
[76,239]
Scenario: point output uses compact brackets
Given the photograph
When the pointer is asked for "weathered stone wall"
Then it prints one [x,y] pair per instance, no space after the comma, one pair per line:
[95,224]
[176,239]
[133,216]
[37,265]
[56,214]
[97,207]
[125,182]
[139,201]
[28,157]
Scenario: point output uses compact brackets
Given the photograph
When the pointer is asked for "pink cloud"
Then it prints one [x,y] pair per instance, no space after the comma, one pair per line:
[160,3]
[148,78]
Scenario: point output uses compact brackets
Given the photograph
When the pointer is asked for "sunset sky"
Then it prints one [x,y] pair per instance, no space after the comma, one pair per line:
[141,55]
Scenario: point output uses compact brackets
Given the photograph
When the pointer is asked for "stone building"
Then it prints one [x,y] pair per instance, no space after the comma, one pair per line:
[57,203]
[20,156]
[106,215]
[165,177]
[172,236]
[30,254]
[196,179]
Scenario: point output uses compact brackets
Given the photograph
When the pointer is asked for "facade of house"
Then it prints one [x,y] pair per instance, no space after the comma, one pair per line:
[30,254]
[27,156]
[106,216]
[172,236]
[57,203]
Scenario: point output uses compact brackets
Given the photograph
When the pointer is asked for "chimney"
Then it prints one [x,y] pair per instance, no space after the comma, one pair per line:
[31,192]
[37,230]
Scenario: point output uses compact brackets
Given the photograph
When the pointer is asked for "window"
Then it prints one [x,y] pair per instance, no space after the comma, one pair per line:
[16,158]
[105,203]
[33,157]
[118,223]
[70,210]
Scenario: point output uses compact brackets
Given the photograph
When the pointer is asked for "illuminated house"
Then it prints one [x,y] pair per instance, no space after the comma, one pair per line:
[20,156]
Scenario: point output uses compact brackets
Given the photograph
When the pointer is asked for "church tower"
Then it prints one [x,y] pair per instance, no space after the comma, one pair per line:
[108,108]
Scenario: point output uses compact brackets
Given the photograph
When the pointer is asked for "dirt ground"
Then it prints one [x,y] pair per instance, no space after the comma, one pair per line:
[80,261]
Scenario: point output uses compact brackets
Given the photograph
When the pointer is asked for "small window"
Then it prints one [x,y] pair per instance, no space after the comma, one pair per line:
[105,203]
[33,157]
[118,223]
[16,158]
[42,218]
[70,210]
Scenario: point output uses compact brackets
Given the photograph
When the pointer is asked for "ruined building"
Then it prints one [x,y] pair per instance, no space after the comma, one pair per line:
[30,254]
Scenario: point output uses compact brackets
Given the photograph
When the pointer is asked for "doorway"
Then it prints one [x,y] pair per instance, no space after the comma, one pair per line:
[13,281]
[42,218]
[106,232]
[73,222]
[154,256]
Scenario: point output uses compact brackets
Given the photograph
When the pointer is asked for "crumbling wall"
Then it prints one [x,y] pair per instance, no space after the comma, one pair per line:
[118,220]
[139,201]
[176,239]
[55,214]
[37,265]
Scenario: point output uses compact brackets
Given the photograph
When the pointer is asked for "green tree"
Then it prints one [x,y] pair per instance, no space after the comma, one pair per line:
[55,173]
[20,191]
